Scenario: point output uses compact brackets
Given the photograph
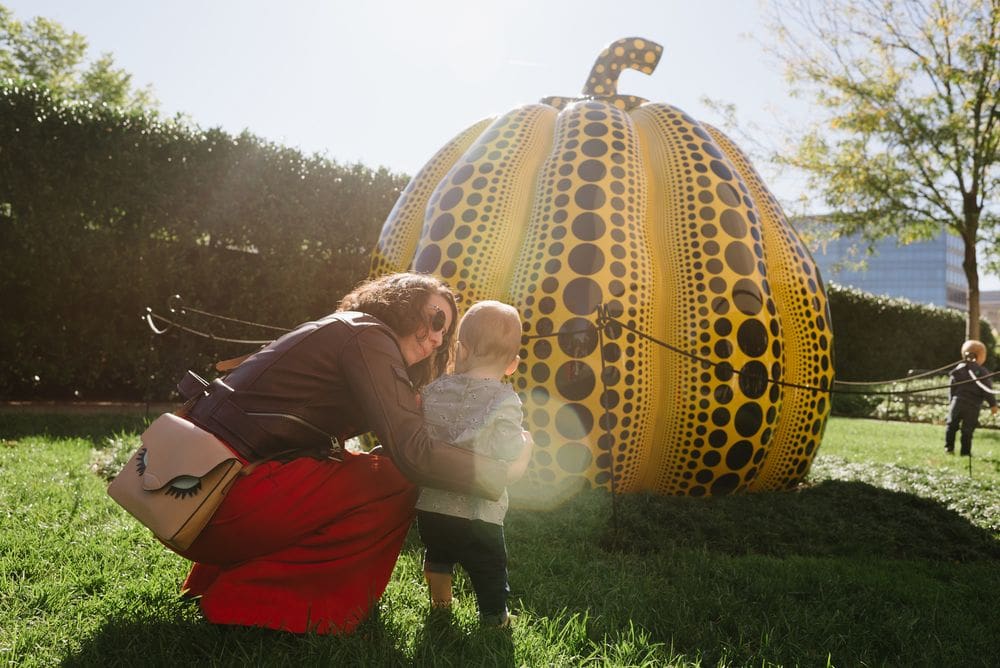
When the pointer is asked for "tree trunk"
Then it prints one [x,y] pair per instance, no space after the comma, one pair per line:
[971,267]
[971,210]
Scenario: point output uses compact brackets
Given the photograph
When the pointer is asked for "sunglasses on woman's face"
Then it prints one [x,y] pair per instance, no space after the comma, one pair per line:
[438,320]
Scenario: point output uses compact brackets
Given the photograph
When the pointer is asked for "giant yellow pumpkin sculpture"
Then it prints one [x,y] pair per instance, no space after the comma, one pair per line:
[607,199]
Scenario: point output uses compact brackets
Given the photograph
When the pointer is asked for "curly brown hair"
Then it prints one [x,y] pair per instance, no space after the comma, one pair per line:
[399,300]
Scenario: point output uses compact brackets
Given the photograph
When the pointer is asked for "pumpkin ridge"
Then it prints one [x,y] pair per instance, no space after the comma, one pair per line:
[802,307]
[582,230]
[402,228]
[472,227]
[725,312]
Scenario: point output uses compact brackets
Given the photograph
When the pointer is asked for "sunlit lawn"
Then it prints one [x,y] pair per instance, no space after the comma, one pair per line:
[890,556]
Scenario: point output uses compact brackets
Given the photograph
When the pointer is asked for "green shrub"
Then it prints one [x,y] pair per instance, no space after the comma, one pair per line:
[854,405]
[881,338]
[105,212]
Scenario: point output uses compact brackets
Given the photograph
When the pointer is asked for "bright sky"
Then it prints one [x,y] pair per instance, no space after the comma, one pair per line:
[388,82]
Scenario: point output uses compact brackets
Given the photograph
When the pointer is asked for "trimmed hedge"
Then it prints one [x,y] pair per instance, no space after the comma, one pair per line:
[883,338]
[104,212]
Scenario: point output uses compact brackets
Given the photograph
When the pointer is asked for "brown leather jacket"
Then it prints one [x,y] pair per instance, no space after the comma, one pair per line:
[345,375]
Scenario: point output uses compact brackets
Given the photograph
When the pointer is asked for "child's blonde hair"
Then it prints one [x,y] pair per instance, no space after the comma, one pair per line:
[490,332]
[973,351]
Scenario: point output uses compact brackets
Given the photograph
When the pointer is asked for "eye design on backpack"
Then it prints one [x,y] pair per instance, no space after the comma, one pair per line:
[183,486]
[180,487]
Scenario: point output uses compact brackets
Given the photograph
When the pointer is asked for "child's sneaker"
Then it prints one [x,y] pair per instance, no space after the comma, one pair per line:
[501,621]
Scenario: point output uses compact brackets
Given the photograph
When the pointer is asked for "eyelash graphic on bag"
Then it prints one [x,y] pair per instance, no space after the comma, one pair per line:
[183,492]
[182,475]
[140,461]
[183,487]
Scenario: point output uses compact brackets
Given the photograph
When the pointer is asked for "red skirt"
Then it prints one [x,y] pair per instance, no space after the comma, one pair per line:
[304,546]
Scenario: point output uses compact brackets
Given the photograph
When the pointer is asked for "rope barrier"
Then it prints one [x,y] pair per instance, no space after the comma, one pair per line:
[176,299]
[739,372]
[932,372]
[150,317]
[602,323]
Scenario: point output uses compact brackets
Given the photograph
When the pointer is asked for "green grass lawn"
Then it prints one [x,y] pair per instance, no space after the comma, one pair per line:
[889,556]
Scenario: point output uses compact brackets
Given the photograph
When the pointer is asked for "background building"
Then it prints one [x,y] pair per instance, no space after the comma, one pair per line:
[927,272]
[989,307]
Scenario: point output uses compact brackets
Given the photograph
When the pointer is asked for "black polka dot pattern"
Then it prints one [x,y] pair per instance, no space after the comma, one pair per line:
[562,206]
[474,220]
[586,245]
[715,423]
[804,314]
[394,250]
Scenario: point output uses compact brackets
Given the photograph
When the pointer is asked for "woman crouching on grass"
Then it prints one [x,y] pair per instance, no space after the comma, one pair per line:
[307,540]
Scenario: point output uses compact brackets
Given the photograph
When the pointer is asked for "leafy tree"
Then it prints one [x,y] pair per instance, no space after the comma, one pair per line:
[44,52]
[906,141]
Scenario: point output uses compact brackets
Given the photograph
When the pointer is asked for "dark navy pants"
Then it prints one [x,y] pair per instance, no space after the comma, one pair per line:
[478,547]
[962,415]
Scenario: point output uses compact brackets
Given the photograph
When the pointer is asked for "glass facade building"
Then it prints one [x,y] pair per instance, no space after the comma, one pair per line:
[927,272]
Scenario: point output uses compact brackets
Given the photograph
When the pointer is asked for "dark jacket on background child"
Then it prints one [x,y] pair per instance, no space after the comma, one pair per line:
[967,395]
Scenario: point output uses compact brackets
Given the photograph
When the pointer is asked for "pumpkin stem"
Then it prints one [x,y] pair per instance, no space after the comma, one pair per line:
[629,52]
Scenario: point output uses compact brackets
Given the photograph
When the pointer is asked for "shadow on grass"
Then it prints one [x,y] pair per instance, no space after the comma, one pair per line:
[722,580]
[442,642]
[158,642]
[833,518]
[841,570]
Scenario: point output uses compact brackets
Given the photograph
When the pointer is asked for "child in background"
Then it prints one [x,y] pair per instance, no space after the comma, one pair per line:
[474,409]
[968,390]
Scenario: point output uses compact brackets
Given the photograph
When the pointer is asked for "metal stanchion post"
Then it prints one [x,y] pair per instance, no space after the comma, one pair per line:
[602,320]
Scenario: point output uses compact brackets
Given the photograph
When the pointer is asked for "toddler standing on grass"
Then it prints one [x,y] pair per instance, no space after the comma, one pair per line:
[472,408]
[970,386]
